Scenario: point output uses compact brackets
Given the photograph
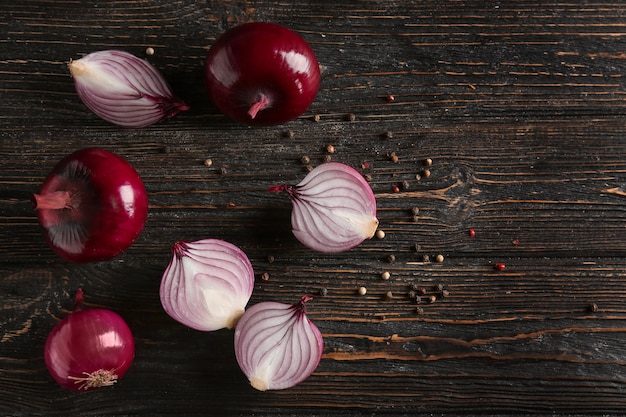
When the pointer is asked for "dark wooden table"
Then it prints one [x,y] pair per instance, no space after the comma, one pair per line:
[520,106]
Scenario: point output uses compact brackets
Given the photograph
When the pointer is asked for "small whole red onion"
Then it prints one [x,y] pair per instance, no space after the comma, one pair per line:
[92,206]
[262,74]
[89,349]
[123,89]
[207,284]
[334,208]
[276,345]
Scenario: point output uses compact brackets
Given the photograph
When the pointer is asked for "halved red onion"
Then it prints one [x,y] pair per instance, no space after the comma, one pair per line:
[207,284]
[123,89]
[276,344]
[334,208]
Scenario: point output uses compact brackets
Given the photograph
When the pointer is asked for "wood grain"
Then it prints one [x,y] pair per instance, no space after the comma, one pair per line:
[519,105]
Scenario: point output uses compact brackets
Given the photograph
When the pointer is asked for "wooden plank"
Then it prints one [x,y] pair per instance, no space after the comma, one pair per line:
[520,106]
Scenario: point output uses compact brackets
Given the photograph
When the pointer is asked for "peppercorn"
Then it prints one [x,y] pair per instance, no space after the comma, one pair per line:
[330,149]
[351,117]
[270,258]
[362,291]
[390,98]
[388,134]
[380,234]
[415,211]
[150,51]
[208,162]
[327,158]
[395,188]
[323,291]
[265,276]
[385,275]
[305,159]
[428,162]
[472,233]
[500,266]
[426,173]
[291,134]
[389,295]
[593,307]
[439,258]
[317,118]
[391,258]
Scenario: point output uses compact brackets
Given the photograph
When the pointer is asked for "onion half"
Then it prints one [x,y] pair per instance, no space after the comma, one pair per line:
[123,89]
[276,345]
[334,208]
[207,284]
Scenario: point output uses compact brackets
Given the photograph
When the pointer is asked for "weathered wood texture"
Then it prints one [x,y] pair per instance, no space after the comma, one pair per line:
[520,105]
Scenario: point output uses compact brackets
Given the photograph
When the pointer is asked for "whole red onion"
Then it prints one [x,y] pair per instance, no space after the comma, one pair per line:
[92,206]
[262,74]
[89,349]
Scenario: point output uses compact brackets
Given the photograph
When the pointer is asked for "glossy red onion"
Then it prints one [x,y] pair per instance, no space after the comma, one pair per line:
[276,345]
[207,284]
[123,89]
[262,74]
[89,349]
[334,208]
[92,206]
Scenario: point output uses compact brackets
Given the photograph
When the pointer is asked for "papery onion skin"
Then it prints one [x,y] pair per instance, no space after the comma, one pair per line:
[89,349]
[123,89]
[261,74]
[93,205]
[334,208]
[276,345]
[207,284]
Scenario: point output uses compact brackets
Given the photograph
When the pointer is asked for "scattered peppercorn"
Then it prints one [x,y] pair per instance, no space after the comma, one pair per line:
[419,310]
[362,291]
[327,158]
[389,295]
[425,258]
[291,134]
[270,259]
[415,211]
[405,185]
[380,234]
[418,177]
[439,287]
[439,258]
[351,117]
[330,149]
[426,173]
[393,157]
[365,165]
[471,232]
[265,276]
[317,118]
[388,134]
[223,170]
[593,307]
[414,287]
[150,51]
[432,299]
[305,159]
[390,98]
[208,162]
[368,177]
[322,291]
[391,258]
[385,275]
[412,294]
[515,241]
[422,291]
[445,293]
[309,168]
[500,266]
[428,162]
[395,188]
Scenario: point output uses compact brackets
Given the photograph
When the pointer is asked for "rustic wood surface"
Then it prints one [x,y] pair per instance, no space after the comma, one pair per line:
[521,107]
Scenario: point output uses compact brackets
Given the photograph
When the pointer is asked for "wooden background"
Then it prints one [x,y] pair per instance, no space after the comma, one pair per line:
[519,104]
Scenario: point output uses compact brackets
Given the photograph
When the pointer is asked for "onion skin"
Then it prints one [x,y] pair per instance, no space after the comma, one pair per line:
[123,89]
[276,345]
[262,74]
[92,206]
[89,349]
[334,208]
[207,284]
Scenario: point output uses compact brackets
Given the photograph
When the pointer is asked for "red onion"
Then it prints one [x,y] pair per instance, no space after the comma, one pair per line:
[207,284]
[334,208]
[93,205]
[262,74]
[123,89]
[89,349]
[276,345]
